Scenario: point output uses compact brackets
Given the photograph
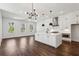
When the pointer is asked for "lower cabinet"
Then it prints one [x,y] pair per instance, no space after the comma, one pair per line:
[41,38]
[52,40]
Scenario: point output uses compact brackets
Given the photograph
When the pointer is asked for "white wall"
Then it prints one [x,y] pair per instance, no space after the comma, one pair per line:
[0,27]
[65,22]
[0,23]
[17,25]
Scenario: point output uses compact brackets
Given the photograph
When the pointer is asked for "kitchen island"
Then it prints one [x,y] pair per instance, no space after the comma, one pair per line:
[52,39]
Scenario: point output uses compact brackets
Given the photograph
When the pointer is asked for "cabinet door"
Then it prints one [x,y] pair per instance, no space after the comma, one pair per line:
[52,41]
[42,38]
[45,39]
[37,37]
[58,40]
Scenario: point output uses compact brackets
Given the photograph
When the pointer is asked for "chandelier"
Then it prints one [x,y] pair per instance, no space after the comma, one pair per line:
[32,14]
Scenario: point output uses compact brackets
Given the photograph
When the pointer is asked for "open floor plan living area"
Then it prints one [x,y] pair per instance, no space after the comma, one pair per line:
[39,29]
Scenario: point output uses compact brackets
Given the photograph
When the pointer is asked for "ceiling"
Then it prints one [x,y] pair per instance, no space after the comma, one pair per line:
[57,8]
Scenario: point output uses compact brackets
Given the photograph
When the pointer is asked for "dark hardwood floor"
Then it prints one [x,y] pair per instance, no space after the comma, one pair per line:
[27,46]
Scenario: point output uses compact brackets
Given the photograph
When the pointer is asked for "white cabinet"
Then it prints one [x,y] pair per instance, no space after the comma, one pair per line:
[55,39]
[41,38]
[50,39]
[45,38]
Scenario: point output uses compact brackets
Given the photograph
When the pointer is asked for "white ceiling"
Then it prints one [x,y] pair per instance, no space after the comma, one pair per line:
[57,8]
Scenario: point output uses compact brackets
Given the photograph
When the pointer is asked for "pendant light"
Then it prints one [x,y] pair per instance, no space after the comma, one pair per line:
[33,14]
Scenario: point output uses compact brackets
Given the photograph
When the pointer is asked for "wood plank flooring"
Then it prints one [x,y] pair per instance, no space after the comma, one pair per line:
[27,46]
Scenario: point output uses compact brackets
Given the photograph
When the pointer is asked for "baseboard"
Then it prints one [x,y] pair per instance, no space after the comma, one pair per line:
[75,41]
[17,37]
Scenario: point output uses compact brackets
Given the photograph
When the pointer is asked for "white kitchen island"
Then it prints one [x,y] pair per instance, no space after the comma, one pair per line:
[52,39]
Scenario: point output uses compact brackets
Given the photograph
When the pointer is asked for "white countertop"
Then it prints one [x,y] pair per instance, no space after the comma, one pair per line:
[55,33]
[49,33]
